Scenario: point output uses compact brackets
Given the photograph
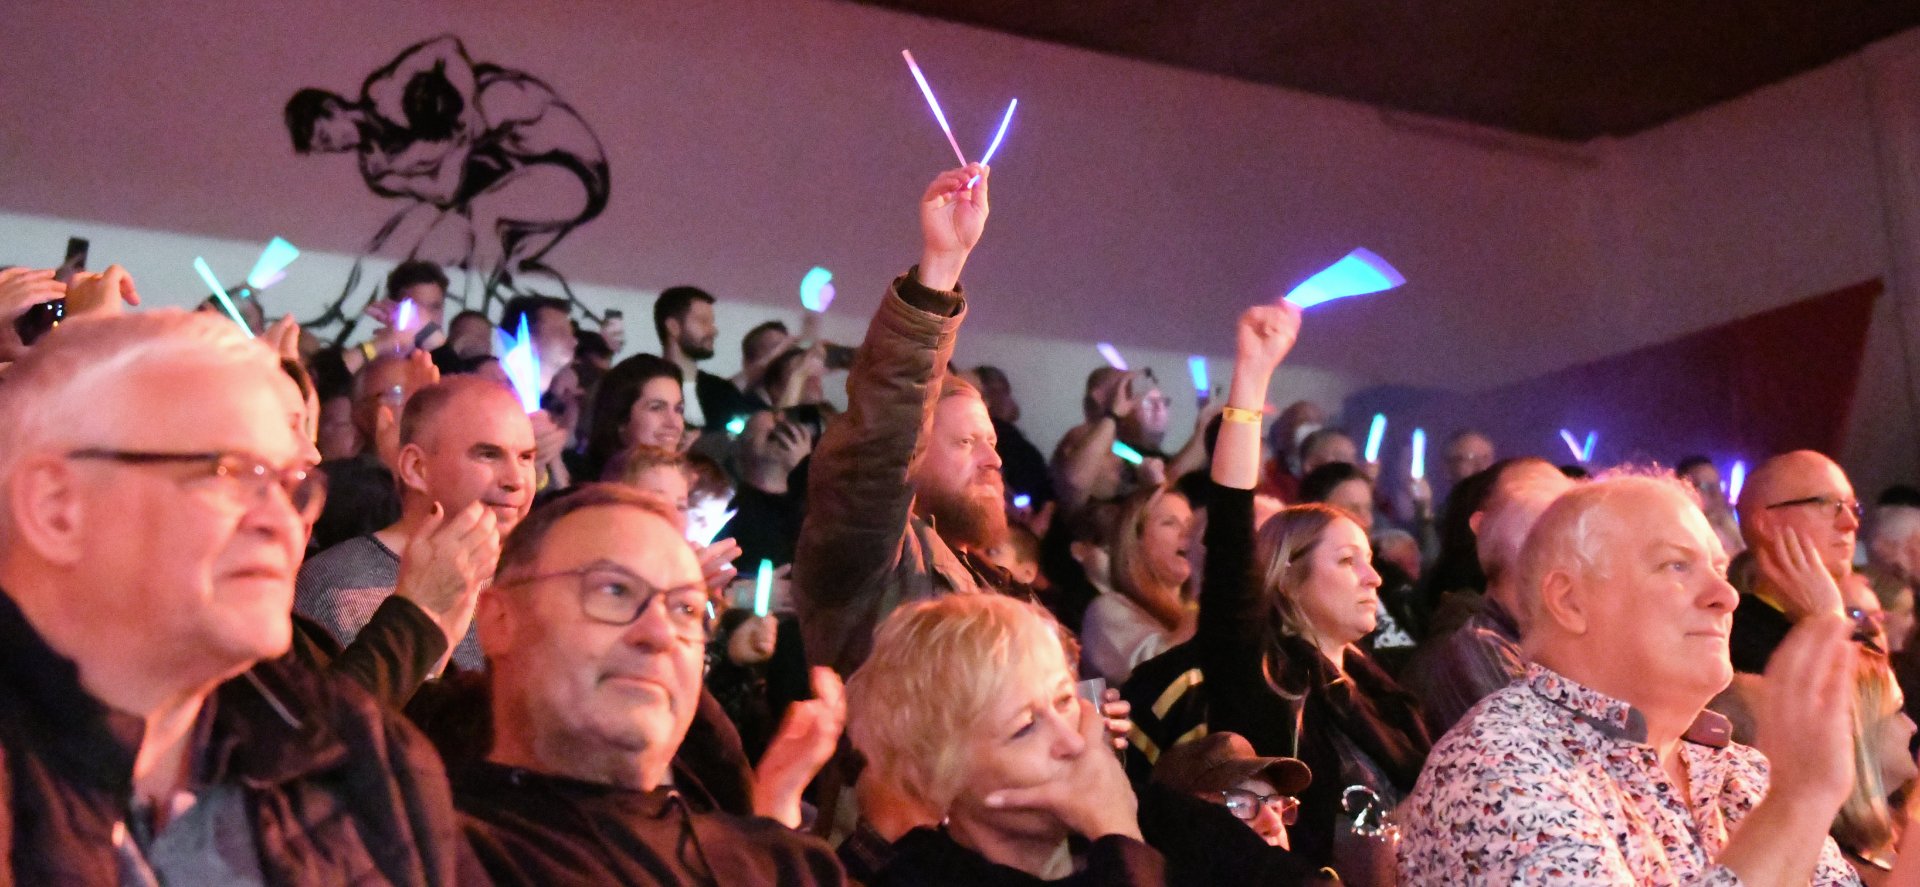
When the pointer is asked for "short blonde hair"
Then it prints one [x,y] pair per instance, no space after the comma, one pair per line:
[1568,534]
[52,397]
[936,668]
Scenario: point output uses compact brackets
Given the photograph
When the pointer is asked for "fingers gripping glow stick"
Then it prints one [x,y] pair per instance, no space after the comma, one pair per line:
[933,103]
[1374,435]
[763,589]
[1112,356]
[1130,455]
[220,294]
[996,139]
[1419,453]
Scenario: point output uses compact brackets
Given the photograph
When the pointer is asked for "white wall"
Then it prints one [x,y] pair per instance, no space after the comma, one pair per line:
[1132,202]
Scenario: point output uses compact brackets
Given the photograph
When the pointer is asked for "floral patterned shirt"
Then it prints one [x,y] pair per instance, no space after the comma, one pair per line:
[1550,782]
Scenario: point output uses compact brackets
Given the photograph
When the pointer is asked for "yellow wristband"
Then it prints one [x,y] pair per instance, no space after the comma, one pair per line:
[1236,414]
[368,351]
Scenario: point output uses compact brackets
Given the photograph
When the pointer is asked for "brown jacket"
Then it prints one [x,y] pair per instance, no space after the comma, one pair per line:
[862,551]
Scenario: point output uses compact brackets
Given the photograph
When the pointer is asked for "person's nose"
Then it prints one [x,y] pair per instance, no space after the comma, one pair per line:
[1848,521]
[652,630]
[1721,596]
[1068,743]
[989,458]
[1369,576]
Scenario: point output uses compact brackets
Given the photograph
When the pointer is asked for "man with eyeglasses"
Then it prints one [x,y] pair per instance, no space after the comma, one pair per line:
[1797,512]
[157,489]
[595,631]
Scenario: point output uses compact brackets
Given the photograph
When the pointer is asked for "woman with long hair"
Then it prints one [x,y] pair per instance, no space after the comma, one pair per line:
[1277,630]
[1147,612]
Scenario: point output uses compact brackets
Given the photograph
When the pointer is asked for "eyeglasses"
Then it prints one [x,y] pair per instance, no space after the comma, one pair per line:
[1246,805]
[1833,505]
[306,487]
[613,595]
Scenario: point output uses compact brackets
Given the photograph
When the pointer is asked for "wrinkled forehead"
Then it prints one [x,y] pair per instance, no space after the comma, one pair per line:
[199,406]
[639,541]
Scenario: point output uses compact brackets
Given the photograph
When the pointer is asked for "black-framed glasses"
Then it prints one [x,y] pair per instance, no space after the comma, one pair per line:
[1832,505]
[1246,805]
[613,595]
[305,486]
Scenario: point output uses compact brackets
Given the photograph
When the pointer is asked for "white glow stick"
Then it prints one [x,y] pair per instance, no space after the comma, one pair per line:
[763,589]
[523,369]
[405,315]
[816,290]
[1375,433]
[1736,479]
[220,294]
[996,139]
[1419,453]
[1112,356]
[1572,445]
[1593,441]
[933,103]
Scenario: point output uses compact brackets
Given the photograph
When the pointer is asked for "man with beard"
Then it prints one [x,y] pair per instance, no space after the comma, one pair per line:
[905,486]
[683,317]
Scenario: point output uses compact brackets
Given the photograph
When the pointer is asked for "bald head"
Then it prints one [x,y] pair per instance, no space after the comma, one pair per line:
[465,439]
[1625,584]
[1809,493]
[1519,496]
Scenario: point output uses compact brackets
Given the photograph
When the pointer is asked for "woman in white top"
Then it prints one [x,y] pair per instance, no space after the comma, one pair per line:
[1149,609]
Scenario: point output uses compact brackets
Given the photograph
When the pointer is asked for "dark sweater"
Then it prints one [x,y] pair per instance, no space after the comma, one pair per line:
[927,857]
[539,829]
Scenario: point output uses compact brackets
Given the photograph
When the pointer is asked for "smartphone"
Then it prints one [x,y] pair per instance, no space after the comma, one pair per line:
[40,320]
[75,262]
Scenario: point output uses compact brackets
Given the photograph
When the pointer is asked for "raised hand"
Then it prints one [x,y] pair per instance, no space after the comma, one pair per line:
[446,562]
[23,288]
[1093,797]
[1804,713]
[806,739]
[1266,333]
[716,563]
[103,292]
[952,216]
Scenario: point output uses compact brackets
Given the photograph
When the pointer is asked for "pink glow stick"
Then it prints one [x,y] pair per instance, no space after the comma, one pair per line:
[934,104]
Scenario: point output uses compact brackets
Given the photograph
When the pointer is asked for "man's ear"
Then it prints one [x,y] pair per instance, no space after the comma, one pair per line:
[411,468]
[494,623]
[1562,602]
[672,325]
[1473,521]
[48,515]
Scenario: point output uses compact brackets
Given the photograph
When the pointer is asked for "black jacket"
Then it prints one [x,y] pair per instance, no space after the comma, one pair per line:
[927,857]
[338,789]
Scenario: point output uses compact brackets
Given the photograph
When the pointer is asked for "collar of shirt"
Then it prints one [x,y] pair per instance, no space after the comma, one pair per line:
[1616,718]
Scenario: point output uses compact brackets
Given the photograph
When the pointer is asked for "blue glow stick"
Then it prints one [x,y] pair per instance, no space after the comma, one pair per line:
[220,294]
[523,369]
[933,103]
[1419,453]
[272,264]
[1197,367]
[1375,433]
[1127,453]
[1358,273]
[1022,500]
[763,589]
[1572,445]
[1593,441]
[996,139]
[736,426]
[1112,356]
[1736,479]
[816,290]
[405,315]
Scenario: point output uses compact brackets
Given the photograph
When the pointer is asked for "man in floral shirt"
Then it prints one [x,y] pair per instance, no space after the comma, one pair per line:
[1602,766]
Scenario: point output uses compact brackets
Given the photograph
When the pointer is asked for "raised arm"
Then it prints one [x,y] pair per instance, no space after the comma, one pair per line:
[859,500]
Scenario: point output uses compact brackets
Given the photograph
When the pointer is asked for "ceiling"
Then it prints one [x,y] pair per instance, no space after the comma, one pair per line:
[1563,69]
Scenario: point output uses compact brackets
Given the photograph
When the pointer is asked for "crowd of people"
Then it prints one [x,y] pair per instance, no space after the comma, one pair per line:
[274,611]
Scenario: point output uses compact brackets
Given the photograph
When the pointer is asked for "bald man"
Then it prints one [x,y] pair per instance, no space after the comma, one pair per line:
[1602,765]
[1802,499]
[1483,654]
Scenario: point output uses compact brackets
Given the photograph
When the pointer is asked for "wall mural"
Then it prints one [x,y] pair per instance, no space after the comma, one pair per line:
[491,170]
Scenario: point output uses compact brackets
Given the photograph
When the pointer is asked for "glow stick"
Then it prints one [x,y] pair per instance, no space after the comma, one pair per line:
[1112,356]
[220,294]
[736,426]
[523,368]
[1593,440]
[816,290]
[763,588]
[272,264]
[1572,445]
[405,315]
[1022,500]
[703,527]
[1127,453]
[1358,273]
[1197,367]
[933,103]
[1736,479]
[1375,433]
[1419,453]
[996,139]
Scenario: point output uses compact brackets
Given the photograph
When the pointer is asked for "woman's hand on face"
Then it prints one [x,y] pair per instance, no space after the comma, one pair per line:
[1092,797]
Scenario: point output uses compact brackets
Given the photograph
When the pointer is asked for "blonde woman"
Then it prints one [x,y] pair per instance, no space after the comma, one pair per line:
[1148,610]
[1866,828]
